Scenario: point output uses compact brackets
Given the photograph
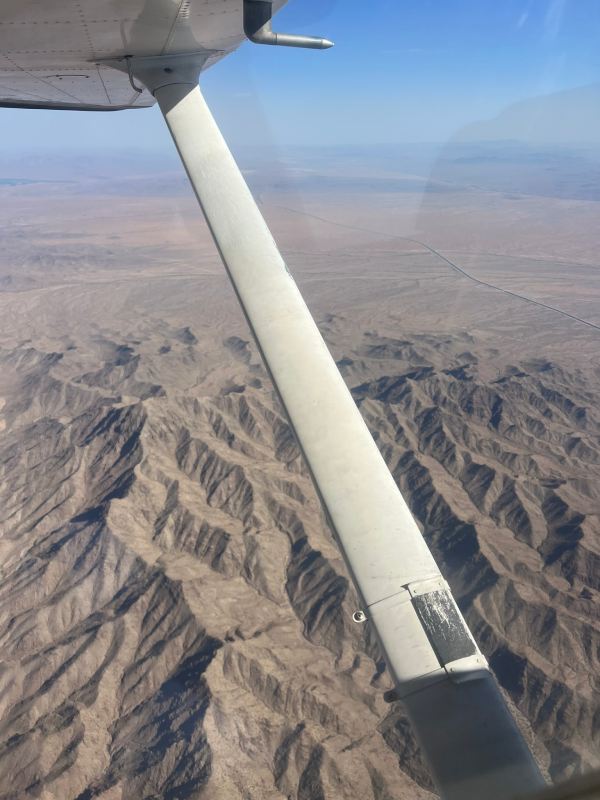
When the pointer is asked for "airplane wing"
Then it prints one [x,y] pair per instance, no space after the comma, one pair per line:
[58,53]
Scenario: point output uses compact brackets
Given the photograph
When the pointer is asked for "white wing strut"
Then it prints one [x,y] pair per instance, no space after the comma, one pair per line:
[470,740]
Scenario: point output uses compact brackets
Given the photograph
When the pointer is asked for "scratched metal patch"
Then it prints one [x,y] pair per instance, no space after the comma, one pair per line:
[443,625]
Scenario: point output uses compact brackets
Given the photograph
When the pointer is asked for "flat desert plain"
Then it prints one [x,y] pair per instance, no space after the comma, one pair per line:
[175,619]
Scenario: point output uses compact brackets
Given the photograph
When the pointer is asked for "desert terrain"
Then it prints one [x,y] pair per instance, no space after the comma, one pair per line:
[175,619]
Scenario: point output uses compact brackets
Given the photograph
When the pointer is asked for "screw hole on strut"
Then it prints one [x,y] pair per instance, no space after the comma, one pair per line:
[359,616]
[168,69]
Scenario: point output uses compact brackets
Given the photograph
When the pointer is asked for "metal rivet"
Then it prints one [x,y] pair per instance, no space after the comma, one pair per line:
[359,616]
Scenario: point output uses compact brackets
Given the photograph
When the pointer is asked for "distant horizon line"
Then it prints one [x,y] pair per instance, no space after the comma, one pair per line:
[171,154]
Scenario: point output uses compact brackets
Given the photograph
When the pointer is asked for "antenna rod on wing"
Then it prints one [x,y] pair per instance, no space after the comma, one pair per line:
[257,27]
[466,732]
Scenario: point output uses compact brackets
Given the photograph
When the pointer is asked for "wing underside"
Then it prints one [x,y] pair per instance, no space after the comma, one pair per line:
[58,53]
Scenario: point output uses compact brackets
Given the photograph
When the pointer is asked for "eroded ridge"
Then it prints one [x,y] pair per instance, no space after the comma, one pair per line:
[176,619]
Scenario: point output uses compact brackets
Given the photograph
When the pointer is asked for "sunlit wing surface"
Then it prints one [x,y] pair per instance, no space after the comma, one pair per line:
[55,53]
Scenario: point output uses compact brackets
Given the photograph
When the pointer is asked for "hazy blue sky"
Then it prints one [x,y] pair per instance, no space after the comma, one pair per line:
[400,71]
